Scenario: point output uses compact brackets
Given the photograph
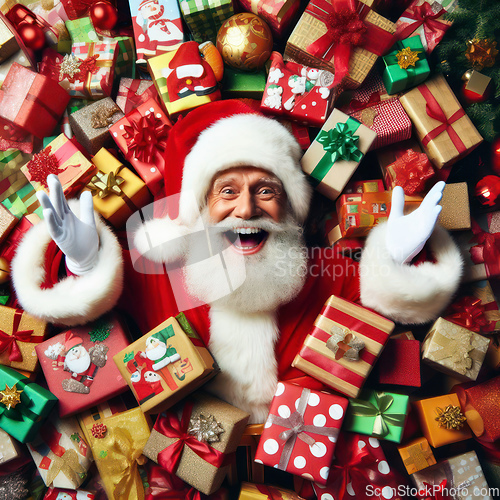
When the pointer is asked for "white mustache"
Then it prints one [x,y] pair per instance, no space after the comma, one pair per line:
[270,226]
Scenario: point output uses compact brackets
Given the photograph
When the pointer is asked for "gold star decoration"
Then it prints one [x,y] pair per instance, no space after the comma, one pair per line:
[450,417]
[70,66]
[205,428]
[481,52]
[407,57]
[10,396]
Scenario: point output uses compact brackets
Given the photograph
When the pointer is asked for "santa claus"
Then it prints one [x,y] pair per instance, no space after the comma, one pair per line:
[243,186]
[158,351]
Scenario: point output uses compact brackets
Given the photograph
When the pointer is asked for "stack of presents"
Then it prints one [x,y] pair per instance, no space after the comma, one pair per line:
[405,414]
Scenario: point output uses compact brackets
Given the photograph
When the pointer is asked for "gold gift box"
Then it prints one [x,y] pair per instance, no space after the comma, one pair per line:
[416,455]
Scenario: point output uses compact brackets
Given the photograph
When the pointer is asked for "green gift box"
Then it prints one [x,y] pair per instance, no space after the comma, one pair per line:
[205,17]
[23,202]
[238,84]
[378,414]
[82,30]
[23,405]
[125,62]
[406,66]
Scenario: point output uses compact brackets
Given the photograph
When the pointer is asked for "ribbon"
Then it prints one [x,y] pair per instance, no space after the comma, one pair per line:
[339,143]
[96,64]
[10,342]
[469,312]
[170,426]
[430,492]
[422,15]
[411,171]
[166,486]
[435,111]
[296,429]
[22,409]
[102,184]
[362,408]
[132,98]
[344,344]
[356,105]
[487,249]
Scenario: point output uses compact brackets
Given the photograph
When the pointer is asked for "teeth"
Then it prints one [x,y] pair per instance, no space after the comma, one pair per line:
[247,230]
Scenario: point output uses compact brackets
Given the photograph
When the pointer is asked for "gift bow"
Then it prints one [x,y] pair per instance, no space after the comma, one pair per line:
[458,350]
[10,341]
[22,409]
[411,171]
[101,185]
[430,492]
[422,15]
[469,312]
[68,464]
[344,344]
[164,486]
[487,249]
[378,410]
[341,143]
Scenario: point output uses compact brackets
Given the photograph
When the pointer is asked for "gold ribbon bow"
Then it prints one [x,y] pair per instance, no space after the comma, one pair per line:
[344,344]
[69,465]
[101,185]
[458,350]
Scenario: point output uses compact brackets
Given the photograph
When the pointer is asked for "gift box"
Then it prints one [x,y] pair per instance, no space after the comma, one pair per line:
[179,90]
[406,66]
[452,349]
[252,491]
[81,30]
[7,223]
[142,136]
[30,103]
[19,335]
[441,420]
[336,152]
[9,448]
[343,346]
[60,453]
[91,124]
[441,124]
[77,364]
[455,215]
[125,62]
[312,43]
[492,359]
[378,414]
[117,192]
[117,441]
[132,93]
[160,382]
[24,405]
[9,247]
[400,363]
[196,440]
[24,203]
[311,416]
[156,33]
[242,84]
[67,494]
[461,476]
[11,178]
[8,42]
[20,58]
[297,92]
[425,19]
[480,408]
[204,19]
[416,455]
[62,158]
[489,304]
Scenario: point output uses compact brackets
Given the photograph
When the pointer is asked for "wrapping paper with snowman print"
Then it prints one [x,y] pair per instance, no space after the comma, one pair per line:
[301,431]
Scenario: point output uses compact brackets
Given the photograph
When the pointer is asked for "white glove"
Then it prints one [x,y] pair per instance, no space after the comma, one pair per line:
[77,238]
[406,235]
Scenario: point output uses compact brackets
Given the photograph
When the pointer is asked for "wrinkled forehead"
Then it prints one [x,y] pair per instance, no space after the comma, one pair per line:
[245,173]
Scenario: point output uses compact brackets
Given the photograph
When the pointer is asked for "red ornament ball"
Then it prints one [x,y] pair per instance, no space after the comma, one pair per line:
[32,36]
[104,15]
[473,97]
[488,190]
[495,155]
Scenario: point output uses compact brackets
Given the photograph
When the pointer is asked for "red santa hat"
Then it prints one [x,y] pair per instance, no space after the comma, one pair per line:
[147,2]
[71,341]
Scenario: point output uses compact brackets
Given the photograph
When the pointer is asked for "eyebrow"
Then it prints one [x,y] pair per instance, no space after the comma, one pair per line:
[262,180]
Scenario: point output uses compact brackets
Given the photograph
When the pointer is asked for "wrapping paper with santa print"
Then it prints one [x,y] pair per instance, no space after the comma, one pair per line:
[134,92]
[301,431]
[62,158]
[61,453]
[78,366]
[343,345]
[67,494]
[297,92]
[360,471]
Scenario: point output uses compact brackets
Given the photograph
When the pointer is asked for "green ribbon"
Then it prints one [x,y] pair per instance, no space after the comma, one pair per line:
[391,59]
[339,143]
[383,402]
[22,409]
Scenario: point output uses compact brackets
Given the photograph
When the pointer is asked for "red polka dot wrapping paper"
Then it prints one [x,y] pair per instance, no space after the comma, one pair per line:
[322,415]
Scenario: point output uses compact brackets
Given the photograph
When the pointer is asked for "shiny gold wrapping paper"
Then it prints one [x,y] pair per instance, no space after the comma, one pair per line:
[455,215]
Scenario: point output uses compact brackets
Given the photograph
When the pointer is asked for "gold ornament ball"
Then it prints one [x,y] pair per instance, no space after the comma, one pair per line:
[245,42]
[4,270]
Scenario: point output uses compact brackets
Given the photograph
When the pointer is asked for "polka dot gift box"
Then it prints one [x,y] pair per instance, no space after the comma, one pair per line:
[301,431]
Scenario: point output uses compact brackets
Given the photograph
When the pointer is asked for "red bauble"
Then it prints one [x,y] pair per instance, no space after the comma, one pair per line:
[488,190]
[32,36]
[472,97]
[104,15]
[495,156]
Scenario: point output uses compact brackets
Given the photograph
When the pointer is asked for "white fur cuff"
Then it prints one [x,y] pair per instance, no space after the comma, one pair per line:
[404,293]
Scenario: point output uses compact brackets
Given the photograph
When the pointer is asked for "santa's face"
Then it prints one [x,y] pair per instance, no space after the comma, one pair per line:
[155,349]
[150,9]
[78,359]
[151,377]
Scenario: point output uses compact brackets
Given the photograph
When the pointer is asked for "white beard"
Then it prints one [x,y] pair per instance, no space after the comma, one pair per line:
[78,365]
[156,353]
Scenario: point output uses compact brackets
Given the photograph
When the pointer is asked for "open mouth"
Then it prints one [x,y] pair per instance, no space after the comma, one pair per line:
[247,240]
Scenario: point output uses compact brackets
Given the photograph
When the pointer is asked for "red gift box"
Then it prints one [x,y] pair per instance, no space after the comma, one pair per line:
[400,363]
[301,431]
[485,252]
[78,364]
[31,102]
[132,93]
[297,92]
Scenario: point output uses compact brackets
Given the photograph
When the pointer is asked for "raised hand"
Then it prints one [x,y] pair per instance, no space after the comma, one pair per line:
[77,238]
[406,234]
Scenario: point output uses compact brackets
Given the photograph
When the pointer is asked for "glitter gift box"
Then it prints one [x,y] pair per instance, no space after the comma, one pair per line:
[416,455]
[335,153]
[24,405]
[442,126]
[441,420]
[61,453]
[78,366]
[301,431]
[343,345]
[19,335]
[400,363]
[297,92]
[455,215]
[166,364]
[196,439]
[133,92]
[9,448]
[455,350]
[91,124]
[62,158]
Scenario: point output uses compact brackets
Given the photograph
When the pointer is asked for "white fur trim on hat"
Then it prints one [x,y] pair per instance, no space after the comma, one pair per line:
[238,141]
[405,293]
[75,300]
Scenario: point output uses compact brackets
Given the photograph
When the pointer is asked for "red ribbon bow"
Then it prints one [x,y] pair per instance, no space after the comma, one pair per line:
[164,486]
[469,312]
[487,249]
[422,15]
[356,105]
[170,426]
[412,170]
[10,341]
[133,99]
[431,492]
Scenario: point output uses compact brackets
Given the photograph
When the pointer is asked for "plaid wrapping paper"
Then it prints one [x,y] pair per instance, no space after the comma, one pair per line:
[205,17]
[11,179]
[82,31]
[125,62]
[24,202]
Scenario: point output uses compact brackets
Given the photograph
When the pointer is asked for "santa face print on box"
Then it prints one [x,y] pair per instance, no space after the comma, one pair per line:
[157,27]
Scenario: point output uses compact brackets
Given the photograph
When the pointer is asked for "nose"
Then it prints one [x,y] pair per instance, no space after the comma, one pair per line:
[246,208]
